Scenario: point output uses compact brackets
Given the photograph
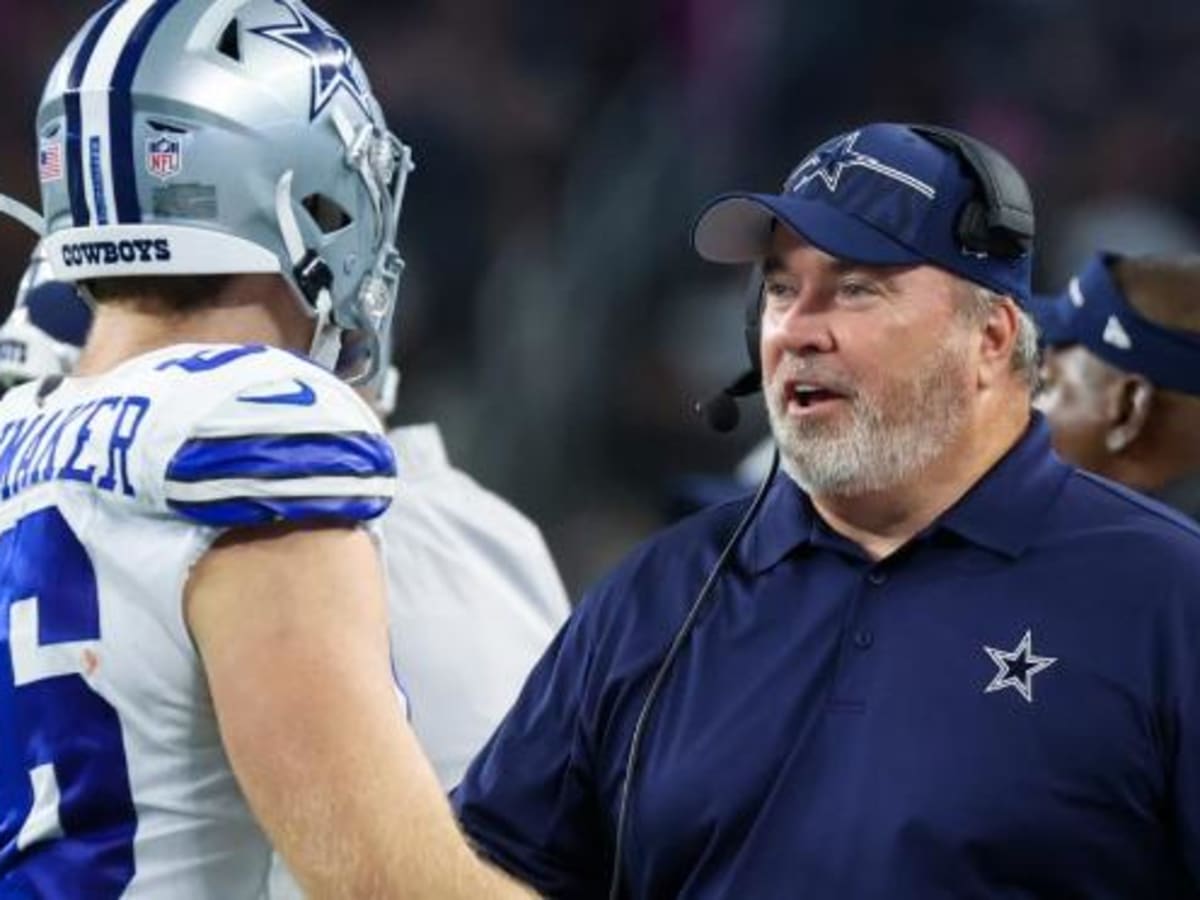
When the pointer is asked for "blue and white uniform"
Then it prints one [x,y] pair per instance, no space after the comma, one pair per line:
[113,778]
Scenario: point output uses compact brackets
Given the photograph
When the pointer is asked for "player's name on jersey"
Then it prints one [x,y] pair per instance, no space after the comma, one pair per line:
[88,443]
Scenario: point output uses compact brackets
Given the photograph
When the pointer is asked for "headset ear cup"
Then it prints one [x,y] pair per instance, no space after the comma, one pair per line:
[978,236]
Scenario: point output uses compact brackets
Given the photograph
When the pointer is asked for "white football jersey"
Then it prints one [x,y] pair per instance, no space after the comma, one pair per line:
[113,779]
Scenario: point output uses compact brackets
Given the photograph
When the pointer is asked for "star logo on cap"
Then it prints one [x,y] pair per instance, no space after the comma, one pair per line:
[334,67]
[1016,668]
[829,162]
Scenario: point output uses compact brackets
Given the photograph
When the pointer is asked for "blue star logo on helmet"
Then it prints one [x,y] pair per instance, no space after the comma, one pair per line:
[831,160]
[334,67]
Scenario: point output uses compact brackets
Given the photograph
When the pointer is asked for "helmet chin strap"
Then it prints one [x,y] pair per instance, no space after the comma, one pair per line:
[312,276]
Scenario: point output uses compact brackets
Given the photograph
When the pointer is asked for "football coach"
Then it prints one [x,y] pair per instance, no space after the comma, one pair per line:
[935,661]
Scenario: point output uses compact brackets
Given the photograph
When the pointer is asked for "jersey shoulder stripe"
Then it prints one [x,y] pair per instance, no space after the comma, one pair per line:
[280,456]
[283,441]
[211,433]
[263,478]
[247,510]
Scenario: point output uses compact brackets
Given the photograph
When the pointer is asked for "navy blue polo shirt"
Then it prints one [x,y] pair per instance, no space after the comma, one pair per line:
[1009,706]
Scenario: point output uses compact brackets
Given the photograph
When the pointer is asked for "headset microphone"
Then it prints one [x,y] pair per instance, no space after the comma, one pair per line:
[747,384]
[720,411]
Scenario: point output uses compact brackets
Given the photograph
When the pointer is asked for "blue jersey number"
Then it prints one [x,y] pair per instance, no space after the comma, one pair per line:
[66,810]
[208,360]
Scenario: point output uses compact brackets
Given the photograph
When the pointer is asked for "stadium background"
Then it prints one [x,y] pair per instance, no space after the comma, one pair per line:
[553,319]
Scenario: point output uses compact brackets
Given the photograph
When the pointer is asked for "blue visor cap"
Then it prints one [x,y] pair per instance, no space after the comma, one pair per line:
[881,195]
[1093,312]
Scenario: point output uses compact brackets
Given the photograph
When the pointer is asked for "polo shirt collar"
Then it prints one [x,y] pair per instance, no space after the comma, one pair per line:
[1005,508]
[1002,511]
[786,521]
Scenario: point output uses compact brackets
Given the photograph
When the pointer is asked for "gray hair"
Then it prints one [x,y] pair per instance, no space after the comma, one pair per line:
[1026,359]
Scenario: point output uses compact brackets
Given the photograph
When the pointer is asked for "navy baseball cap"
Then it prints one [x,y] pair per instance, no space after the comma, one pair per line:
[882,194]
[1093,312]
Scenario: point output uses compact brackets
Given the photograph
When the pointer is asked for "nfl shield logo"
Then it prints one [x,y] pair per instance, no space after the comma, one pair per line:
[164,156]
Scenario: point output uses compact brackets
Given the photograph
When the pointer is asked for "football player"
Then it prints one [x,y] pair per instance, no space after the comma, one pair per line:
[194,659]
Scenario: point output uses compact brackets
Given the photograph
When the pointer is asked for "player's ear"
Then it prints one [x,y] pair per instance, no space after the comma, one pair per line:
[1130,398]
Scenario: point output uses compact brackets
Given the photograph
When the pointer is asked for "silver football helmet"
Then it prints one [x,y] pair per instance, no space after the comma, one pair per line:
[187,137]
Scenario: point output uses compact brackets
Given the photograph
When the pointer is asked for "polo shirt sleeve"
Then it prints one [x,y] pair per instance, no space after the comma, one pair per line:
[528,801]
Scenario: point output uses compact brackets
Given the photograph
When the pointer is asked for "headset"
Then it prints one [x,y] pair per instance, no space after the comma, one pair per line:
[999,222]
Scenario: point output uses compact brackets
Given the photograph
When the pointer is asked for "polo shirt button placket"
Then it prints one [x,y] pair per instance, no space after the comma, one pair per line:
[864,638]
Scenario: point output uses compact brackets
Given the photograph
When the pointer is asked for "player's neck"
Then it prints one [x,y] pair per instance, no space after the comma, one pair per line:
[122,330]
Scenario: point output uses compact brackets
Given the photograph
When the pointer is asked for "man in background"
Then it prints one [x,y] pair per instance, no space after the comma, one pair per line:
[1121,380]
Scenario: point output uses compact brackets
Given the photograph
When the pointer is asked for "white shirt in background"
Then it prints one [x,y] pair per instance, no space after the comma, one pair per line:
[474,600]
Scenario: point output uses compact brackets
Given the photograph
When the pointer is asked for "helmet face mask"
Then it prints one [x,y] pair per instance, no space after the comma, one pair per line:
[201,137]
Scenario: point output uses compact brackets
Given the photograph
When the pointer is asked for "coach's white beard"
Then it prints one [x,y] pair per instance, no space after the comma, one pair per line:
[887,440]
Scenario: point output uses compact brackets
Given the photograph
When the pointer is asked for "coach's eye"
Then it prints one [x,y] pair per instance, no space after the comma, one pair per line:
[858,288]
[778,290]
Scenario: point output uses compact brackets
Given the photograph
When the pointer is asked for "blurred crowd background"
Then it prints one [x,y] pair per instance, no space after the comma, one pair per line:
[553,318]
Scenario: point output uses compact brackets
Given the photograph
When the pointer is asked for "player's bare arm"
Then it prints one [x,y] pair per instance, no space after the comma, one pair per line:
[291,624]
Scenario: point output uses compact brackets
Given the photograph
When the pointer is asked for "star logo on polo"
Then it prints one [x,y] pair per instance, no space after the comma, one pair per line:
[830,161]
[1016,668]
[334,67]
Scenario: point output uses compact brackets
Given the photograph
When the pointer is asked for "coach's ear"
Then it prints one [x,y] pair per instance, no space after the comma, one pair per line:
[1130,399]
[999,337]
